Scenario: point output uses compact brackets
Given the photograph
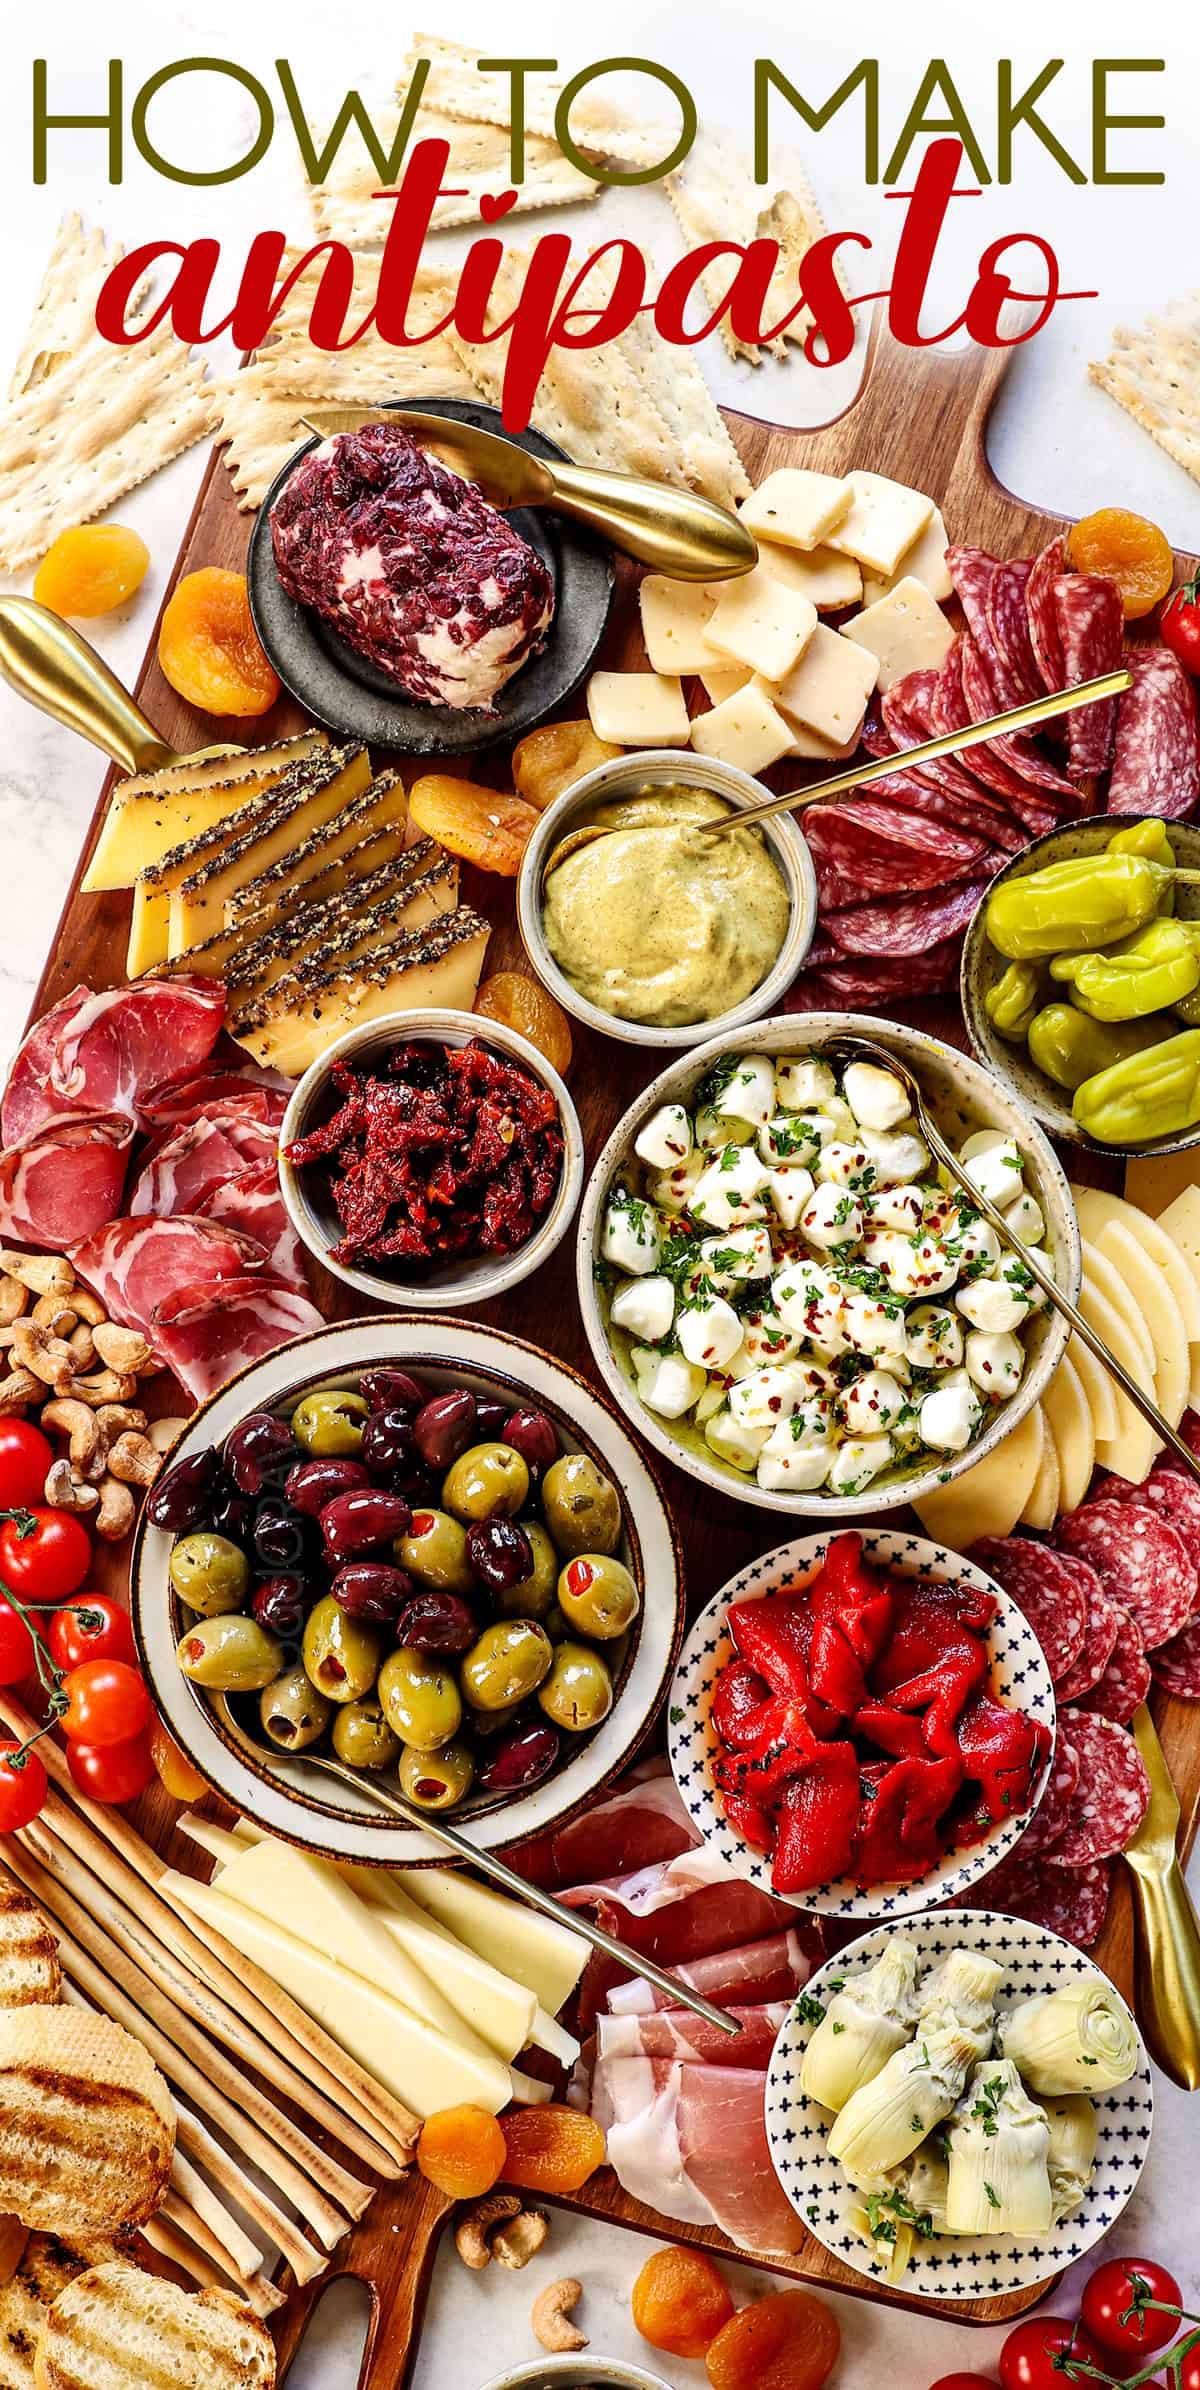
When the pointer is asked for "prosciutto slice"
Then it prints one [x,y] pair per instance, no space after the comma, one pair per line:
[203,1294]
[677,2033]
[98,1056]
[252,1204]
[247,1094]
[206,1334]
[774,1969]
[65,1184]
[640,1826]
[691,2142]
[182,1170]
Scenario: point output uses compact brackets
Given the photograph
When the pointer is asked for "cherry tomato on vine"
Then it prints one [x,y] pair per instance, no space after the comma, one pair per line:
[44,1555]
[107,1702]
[113,1773]
[26,1458]
[1179,625]
[22,1788]
[964,2381]
[1189,2370]
[17,1656]
[1113,2290]
[93,1628]
[1027,2357]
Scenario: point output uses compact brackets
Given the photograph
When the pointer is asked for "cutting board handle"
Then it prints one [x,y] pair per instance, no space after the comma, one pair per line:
[392,2254]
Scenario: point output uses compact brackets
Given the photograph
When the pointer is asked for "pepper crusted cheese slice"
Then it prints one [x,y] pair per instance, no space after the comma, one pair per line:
[828,690]
[313,939]
[330,857]
[906,630]
[746,730]
[759,621]
[925,561]
[884,520]
[292,832]
[440,966]
[797,507]
[149,931]
[675,615]
[153,812]
[827,580]
[637,709]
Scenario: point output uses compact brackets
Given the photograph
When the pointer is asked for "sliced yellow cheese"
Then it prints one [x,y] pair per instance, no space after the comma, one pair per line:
[720,682]
[884,520]
[421,2066]
[827,690]
[988,1499]
[758,620]
[444,971]
[198,902]
[536,1951]
[1150,1290]
[637,709]
[317,943]
[829,580]
[149,931]
[1100,1393]
[323,866]
[906,630]
[746,729]
[154,812]
[502,2012]
[1107,1280]
[1180,1220]
[675,615]
[1153,1181]
[1133,1450]
[924,561]
[797,506]
[1041,1510]
[1097,1212]
[1069,1422]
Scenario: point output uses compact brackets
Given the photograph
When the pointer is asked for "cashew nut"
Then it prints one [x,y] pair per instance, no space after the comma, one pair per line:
[42,1273]
[76,1421]
[117,1511]
[80,1341]
[516,2243]
[17,1391]
[120,1418]
[87,1306]
[551,2316]
[56,1313]
[46,1355]
[65,1490]
[471,2235]
[122,1349]
[162,1432]
[134,1460]
[14,1299]
[103,1386]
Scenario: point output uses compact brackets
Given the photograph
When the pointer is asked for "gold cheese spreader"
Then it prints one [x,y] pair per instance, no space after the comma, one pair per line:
[53,668]
[1167,1967]
[673,530]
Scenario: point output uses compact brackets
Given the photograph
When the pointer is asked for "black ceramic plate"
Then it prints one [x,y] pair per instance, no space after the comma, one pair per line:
[349,694]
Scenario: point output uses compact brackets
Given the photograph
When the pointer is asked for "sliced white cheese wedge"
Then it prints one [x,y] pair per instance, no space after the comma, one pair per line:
[797,506]
[1099,1390]
[500,2010]
[747,730]
[924,561]
[675,615]
[1132,1451]
[828,689]
[906,630]
[830,581]
[759,621]
[1109,1282]
[534,1950]
[637,709]
[1069,1422]
[1041,1510]
[1097,1212]
[884,520]
[988,1499]
[1151,1292]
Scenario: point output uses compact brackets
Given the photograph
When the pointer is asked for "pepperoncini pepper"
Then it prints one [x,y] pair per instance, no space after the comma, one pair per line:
[1157,967]
[1012,1001]
[1080,904]
[1148,838]
[1155,1094]
[1069,1047]
[1188,1009]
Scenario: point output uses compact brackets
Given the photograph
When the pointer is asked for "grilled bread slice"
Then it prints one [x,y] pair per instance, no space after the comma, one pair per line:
[117,2329]
[87,2125]
[46,2267]
[29,1969]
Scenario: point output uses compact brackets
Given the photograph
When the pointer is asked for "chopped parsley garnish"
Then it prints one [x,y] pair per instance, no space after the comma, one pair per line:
[991,2196]
[987,2105]
[838,2026]
[714,1083]
[888,2209]
[809,2009]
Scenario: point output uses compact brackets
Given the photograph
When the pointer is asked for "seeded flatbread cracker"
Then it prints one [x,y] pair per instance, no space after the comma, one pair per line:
[715,198]
[344,206]
[63,311]
[1155,375]
[672,378]
[597,125]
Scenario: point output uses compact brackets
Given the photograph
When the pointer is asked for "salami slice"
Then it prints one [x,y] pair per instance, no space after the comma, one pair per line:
[1043,614]
[1176,1664]
[1071,1901]
[848,982]
[984,696]
[973,573]
[1031,808]
[1008,622]
[1091,624]
[1052,1816]
[875,735]
[1113,1793]
[1171,1491]
[1100,1639]
[1141,1560]
[910,715]
[907,925]
[1126,1678]
[879,850]
[1046,1591]
[970,808]
[1156,757]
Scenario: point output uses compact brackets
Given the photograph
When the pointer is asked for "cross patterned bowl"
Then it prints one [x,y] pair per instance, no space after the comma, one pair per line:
[1019,1675]
[953,2265]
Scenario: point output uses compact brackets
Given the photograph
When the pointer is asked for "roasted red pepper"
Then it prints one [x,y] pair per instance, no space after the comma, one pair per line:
[817,1820]
[1005,1751]
[930,1620]
[852,1607]
[783,1746]
[898,1833]
[775,1636]
[890,1730]
[755,1825]
[739,1704]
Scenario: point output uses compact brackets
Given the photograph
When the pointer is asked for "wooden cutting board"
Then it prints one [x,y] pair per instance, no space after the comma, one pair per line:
[922,418]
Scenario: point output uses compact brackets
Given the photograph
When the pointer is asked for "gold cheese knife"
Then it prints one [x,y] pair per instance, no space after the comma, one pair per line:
[673,530]
[52,667]
[1168,1930]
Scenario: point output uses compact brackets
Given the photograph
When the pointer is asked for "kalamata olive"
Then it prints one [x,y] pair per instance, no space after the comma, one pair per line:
[444,1427]
[532,1435]
[278,1534]
[231,1513]
[491,1411]
[520,1759]
[369,1590]
[434,1621]
[390,1389]
[280,1604]
[313,1484]
[361,1520]
[258,1452]
[387,1440]
[181,1498]
[499,1552]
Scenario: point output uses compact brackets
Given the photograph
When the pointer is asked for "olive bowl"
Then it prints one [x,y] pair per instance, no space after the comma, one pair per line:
[982,967]
[275,1789]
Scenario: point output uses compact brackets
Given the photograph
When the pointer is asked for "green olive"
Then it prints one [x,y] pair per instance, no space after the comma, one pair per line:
[507,1662]
[580,1506]
[420,1699]
[209,1573]
[556,1625]
[483,1724]
[578,1692]
[329,1423]
[230,1654]
[532,1597]
[487,1481]
[434,1551]
[437,1779]
[362,1736]
[292,1711]
[598,1595]
[341,1656]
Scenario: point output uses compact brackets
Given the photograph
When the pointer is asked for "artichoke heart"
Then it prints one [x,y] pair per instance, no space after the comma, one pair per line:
[961,1990]
[885,2120]
[1074,2132]
[1081,2038]
[999,2143]
[868,2018]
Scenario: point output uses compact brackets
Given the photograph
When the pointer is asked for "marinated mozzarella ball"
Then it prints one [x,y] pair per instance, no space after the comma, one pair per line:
[875,1096]
[645,1308]
[768,1395]
[1024,1218]
[630,1240]
[714,1128]
[975,1243]
[933,1338]
[846,1166]
[997,1171]
[995,1364]
[874,1327]
[994,1304]
[872,1404]
[665,1140]
[950,1414]
[789,1139]
[732,1440]
[671,1190]
[899,1155]
[749,1093]
[787,1192]
[797,1456]
[802,1086]
[709,1332]
[911,1265]
[809,1300]
[766,1338]
[897,1207]
[832,1216]
[743,1253]
[667,1383]
[858,1461]
[729,1191]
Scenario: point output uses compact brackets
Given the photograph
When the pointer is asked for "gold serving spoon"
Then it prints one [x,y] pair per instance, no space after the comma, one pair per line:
[1168,1931]
[860,775]
[53,668]
[497,1871]
[675,531]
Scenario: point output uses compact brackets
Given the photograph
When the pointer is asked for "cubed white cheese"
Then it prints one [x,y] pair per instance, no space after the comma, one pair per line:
[884,520]
[933,1337]
[976,1244]
[759,621]
[832,1216]
[907,631]
[997,1172]
[674,616]
[827,690]
[671,1190]
[916,1265]
[746,730]
[925,561]
[871,1405]
[899,1155]
[1025,1219]
[1002,1303]
[709,1332]
[749,1094]
[790,1139]
[858,1462]
[766,1339]
[830,581]
[740,1254]
[770,1394]
[666,1382]
[801,1085]
[950,1415]
[846,1164]
[630,1240]
[995,1364]
[720,1128]
[665,1139]
[637,709]
[877,1098]
[873,1327]
[809,1300]
[786,1467]
[728,1193]
[732,1440]
[645,1308]
[788,1191]
[897,1207]
[797,506]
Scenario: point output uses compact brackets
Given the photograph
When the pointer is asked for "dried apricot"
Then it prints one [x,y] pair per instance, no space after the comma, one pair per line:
[91,569]
[553,758]
[480,824]
[461,2151]
[551,2148]
[209,649]
[523,1005]
[787,2341]
[1130,551]
[680,2302]
[173,1768]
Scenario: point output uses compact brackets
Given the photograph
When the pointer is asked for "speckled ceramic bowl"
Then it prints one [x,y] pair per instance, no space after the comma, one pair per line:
[962,1097]
[982,967]
[576,2373]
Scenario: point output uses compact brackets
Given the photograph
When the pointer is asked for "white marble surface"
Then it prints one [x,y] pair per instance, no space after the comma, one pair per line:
[1055,440]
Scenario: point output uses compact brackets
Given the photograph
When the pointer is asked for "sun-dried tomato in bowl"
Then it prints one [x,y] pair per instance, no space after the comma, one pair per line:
[448,1152]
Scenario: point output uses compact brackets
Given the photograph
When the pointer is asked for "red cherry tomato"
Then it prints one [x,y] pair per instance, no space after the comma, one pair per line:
[117,1772]
[22,1788]
[1189,2370]
[1113,2290]
[964,2381]
[107,1702]
[44,1555]
[17,1656]
[26,1458]
[1027,2357]
[93,1628]
[1179,626]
